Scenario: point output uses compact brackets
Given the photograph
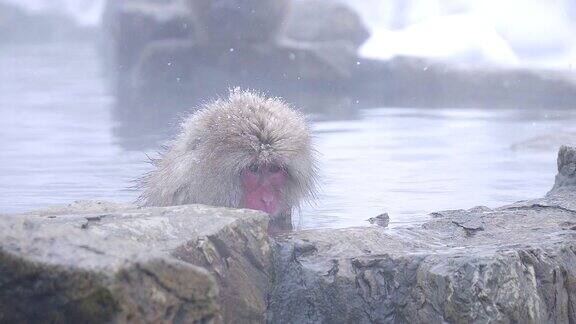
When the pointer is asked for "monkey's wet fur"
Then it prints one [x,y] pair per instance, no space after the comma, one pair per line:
[246,151]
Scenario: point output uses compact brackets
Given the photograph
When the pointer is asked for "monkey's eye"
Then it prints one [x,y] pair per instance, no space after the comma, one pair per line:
[253,168]
[274,168]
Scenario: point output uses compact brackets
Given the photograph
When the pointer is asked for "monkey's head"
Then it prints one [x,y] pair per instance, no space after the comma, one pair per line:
[247,151]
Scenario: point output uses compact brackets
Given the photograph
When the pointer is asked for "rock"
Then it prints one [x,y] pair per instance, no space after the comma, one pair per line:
[179,65]
[231,23]
[566,176]
[179,46]
[328,30]
[131,25]
[381,220]
[102,262]
[241,44]
[419,82]
[516,263]
[312,21]
[290,69]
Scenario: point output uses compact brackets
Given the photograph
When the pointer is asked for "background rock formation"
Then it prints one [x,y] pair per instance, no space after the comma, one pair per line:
[300,50]
[194,42]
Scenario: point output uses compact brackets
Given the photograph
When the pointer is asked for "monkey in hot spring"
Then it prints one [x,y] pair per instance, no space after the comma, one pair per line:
[247,151]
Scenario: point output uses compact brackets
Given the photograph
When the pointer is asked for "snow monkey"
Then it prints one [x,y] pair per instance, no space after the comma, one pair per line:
[247,151]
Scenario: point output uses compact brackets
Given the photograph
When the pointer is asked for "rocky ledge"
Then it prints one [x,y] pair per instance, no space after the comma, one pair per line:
[514,264]
[99,262]
[102,262]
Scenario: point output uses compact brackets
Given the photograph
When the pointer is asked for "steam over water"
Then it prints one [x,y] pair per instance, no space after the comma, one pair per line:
[62,140]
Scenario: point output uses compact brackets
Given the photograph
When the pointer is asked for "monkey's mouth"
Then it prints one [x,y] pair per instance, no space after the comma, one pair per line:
[262,200]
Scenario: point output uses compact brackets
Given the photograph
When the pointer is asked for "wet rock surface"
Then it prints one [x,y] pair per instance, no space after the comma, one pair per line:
[97,262]
[516,264]
[566,176]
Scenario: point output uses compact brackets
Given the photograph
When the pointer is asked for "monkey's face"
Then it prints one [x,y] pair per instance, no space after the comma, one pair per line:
[262,188]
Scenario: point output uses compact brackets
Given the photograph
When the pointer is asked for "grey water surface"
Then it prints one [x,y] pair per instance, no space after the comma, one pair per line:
[62,139]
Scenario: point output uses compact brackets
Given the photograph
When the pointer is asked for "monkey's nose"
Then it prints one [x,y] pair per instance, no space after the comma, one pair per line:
[267,200]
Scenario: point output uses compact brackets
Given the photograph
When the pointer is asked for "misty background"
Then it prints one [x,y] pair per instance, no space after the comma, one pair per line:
[517,32]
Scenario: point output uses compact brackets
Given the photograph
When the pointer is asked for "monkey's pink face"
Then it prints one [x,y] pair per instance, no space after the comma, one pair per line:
[262,188]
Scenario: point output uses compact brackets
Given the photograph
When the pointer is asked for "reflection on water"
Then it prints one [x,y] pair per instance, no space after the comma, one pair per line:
[64,139]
